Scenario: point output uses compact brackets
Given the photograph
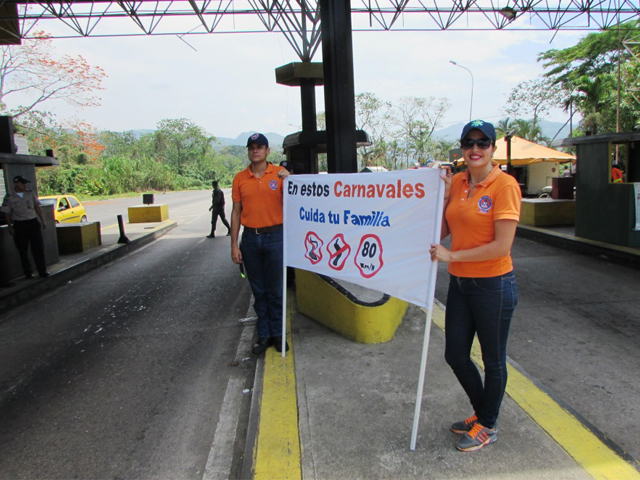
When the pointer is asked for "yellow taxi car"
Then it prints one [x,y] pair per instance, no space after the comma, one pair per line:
[66,208]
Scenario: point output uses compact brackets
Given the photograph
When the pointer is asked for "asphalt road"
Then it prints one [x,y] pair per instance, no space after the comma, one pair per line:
[575,331]
[124,372]
[183,206]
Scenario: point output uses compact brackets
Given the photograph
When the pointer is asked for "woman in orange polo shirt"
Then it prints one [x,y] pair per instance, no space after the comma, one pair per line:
[482,209]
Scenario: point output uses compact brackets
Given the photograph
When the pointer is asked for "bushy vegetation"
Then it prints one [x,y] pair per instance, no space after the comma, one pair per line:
[179,155]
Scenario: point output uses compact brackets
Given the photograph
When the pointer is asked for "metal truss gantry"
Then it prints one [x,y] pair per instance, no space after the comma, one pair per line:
[299,20]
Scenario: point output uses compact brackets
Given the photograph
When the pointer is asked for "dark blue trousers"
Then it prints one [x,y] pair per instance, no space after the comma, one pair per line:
[262,256]
[482,306]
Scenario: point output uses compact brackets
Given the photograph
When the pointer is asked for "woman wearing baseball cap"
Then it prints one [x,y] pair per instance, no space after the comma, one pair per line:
[482,209]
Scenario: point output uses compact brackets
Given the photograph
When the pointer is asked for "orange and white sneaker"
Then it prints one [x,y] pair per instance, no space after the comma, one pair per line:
[477,438]
[464,426]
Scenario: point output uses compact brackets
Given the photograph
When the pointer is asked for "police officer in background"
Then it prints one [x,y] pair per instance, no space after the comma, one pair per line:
[22,209]
[217,209]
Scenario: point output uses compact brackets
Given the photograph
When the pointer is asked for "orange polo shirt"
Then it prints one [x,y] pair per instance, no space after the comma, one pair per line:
[471,220]
[261,198]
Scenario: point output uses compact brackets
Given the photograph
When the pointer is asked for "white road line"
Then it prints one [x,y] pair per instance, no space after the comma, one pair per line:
[221,453]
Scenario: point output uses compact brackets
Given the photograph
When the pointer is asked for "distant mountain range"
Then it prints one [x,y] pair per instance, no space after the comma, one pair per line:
[549,130]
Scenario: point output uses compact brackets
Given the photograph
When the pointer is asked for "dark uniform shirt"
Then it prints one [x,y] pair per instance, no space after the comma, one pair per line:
[217,199]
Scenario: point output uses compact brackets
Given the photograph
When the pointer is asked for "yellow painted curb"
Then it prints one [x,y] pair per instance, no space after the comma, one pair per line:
[598,460]
[360,322]
[277,448]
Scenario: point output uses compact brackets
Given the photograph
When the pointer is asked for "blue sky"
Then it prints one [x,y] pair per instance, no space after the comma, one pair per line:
[226,82]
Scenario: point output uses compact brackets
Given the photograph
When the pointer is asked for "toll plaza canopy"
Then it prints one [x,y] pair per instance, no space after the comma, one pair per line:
[524,152]
[299,20]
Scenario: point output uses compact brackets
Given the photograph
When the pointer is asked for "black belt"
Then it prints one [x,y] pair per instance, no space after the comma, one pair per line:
[263,230]
[25,221]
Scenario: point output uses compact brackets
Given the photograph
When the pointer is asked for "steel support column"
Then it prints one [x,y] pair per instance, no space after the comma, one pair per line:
[308,104]
[339,89]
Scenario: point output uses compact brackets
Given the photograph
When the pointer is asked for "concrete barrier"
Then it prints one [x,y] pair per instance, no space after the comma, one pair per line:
[546,212]
[148,213]
[330,304]
[78,237]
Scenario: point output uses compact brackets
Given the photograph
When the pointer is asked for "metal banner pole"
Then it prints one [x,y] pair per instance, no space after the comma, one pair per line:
[284,270]
[427,331]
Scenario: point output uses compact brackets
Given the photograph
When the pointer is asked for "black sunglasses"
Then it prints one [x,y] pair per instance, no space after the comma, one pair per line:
[482,143]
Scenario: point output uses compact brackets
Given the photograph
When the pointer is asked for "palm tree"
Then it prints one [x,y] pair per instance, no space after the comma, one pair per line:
[592,90]
[530,130]
[504,127]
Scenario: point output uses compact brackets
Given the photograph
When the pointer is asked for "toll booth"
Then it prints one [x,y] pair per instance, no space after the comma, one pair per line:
[302,148]
[607,211]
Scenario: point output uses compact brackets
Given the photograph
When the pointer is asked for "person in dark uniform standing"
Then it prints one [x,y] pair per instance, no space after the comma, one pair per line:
[217,209]
[22,209]
[257,207]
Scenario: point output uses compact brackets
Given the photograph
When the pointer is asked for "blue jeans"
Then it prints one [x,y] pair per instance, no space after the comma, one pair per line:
[262,257]
[482,306]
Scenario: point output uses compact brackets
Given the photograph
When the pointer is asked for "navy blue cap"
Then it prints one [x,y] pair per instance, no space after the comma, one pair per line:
[287,165]
[258,139]
[484,127]
[21,179]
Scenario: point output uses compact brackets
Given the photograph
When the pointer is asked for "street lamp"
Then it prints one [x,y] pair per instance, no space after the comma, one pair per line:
[471,104]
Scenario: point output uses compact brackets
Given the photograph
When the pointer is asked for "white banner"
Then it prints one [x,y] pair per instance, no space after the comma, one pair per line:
[371,229]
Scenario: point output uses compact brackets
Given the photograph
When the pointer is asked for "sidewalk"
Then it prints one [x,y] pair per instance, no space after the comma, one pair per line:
[356,407]
[72,266]
[336,409]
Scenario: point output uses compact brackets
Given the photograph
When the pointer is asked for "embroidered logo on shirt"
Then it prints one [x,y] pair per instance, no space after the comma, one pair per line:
[485,204]
[273,184]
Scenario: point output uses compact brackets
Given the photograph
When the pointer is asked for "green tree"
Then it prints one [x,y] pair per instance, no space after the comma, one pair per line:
[527,129]
[505,126]
[416,119]
[183,146]
[588,74]
[372,116]
[119,162]
[534,98]
[119,143]
[530,130]
[228,162]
